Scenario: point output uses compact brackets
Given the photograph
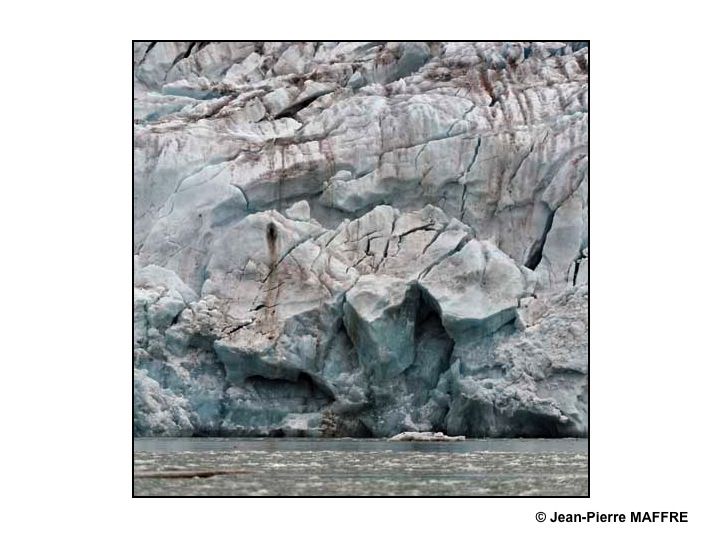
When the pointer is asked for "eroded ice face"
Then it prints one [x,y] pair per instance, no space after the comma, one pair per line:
[360,239]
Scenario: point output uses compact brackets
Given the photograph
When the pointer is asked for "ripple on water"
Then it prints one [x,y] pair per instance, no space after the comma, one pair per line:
[365,467]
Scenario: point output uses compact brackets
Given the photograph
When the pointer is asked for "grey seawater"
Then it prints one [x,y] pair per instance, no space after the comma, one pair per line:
[363,467]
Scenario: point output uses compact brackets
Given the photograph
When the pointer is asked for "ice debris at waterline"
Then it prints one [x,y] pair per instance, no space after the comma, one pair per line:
[359,239]
[184,474]
[426,436]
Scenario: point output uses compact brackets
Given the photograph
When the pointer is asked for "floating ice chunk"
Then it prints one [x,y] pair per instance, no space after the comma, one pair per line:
[425,436]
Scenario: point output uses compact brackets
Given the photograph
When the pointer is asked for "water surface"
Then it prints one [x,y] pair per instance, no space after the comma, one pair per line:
[363,467]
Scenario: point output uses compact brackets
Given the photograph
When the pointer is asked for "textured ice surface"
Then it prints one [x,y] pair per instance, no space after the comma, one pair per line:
[360,239]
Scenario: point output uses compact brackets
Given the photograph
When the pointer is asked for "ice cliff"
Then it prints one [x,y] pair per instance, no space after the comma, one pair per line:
[360,239]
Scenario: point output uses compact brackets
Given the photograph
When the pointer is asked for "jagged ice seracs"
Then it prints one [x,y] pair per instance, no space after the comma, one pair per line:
[360,238]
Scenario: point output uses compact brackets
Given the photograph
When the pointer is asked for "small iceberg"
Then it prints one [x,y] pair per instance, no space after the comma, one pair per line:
[425,436]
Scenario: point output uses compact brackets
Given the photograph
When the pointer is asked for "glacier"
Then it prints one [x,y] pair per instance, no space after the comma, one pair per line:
[360,238]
